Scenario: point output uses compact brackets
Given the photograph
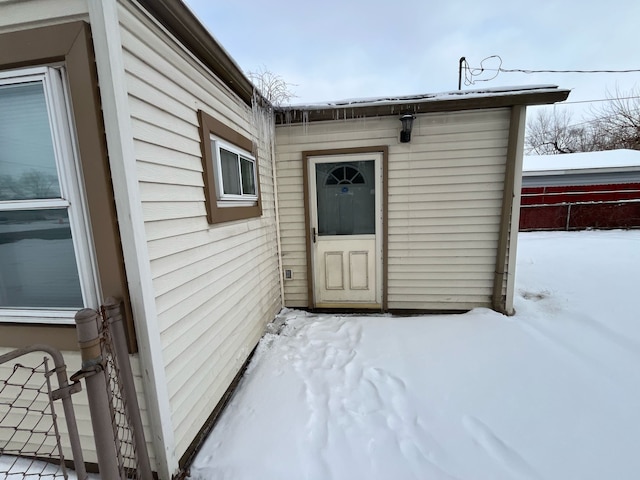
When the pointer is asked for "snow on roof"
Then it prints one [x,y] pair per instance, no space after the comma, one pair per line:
[559,164]
[427,97]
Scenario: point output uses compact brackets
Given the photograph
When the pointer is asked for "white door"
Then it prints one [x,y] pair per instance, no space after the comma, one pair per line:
[346,230]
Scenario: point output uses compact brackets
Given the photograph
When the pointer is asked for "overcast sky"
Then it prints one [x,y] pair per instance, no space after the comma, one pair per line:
[340,49]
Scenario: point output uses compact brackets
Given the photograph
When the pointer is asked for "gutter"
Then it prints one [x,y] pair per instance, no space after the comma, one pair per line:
[431,103]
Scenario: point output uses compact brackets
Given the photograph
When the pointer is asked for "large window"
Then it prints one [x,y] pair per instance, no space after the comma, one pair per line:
[231,176]
[46,263]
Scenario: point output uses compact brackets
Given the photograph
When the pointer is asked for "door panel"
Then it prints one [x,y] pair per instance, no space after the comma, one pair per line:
[346,222]
[359,270]
[333,271]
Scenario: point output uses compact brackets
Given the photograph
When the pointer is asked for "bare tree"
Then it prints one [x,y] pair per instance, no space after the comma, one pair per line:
[615,124]
[618,121]
[273,87]
[552,133]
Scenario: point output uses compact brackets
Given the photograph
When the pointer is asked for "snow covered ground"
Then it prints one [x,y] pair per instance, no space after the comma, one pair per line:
[551,393]
[15,468]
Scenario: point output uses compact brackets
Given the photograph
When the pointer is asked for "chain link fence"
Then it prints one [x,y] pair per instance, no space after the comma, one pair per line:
[115,413]
[31,385]
[30,437]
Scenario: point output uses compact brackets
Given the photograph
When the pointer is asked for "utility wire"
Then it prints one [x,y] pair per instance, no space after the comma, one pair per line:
[518,70]
[471,72]
[601,100]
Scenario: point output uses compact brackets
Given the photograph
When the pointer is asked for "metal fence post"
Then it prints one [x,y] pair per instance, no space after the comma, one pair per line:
[64,392]
[92,368]
[113,313]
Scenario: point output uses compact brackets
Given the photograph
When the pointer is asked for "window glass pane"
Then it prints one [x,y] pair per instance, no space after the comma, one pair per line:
[27,161]
[346,198]
[39,267]
[230,173]
[248,179]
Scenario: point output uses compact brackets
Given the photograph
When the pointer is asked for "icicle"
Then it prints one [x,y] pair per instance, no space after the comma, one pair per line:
[262,126]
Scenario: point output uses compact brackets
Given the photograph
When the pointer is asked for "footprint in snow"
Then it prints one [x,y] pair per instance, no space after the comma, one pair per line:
[497,449]
[535,296]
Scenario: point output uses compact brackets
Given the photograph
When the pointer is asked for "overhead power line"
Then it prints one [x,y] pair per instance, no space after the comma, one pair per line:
[471,73]
[601,100]
[518,70]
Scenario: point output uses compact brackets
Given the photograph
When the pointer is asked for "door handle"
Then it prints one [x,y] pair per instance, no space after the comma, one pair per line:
[313,234]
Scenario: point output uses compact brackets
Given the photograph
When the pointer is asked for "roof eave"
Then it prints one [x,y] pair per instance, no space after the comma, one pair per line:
[185,26]
[288,115]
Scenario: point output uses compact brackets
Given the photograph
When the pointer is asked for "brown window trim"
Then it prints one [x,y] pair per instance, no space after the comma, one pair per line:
[71,43]
[210,126]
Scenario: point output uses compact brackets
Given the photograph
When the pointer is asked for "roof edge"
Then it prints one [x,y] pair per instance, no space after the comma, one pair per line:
[428,103]
[176,17]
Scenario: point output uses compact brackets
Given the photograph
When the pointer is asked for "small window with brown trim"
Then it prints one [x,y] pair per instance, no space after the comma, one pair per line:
[231,178]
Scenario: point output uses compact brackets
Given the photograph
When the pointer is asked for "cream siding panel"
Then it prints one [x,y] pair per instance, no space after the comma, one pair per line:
[39,13]
[26,14]
[80,402]
[216,286]
[445,194]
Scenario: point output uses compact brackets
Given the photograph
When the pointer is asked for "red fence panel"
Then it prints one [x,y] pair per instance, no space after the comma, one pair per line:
[578,207]
[544,217]
[604,215]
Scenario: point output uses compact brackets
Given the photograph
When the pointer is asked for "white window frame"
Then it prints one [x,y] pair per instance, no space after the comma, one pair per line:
[72,194]
[228,199]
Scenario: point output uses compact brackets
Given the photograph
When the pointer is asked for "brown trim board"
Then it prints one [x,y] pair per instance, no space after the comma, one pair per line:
[384,149]
[215,214]
[71,43]
[18,335]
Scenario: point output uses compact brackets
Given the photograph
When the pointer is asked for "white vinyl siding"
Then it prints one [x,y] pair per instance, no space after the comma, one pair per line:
[39,13]
[444,204]
[216,286]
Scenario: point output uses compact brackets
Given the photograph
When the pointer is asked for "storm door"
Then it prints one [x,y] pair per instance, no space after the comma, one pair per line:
[346,221]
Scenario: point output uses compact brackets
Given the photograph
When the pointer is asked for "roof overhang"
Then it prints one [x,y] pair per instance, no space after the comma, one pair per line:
[176,17]
[427,103]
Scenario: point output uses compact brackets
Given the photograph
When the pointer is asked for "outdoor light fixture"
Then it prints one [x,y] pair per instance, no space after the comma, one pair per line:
[407,125]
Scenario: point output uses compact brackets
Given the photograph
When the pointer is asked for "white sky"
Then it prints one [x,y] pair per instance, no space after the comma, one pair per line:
[337,49]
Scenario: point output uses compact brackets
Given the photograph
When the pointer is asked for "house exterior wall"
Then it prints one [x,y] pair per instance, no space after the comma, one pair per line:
[216,286]
[444,203]
[24,16]
[40,13]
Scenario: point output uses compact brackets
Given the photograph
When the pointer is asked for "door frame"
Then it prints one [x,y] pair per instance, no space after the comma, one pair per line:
[306,155]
